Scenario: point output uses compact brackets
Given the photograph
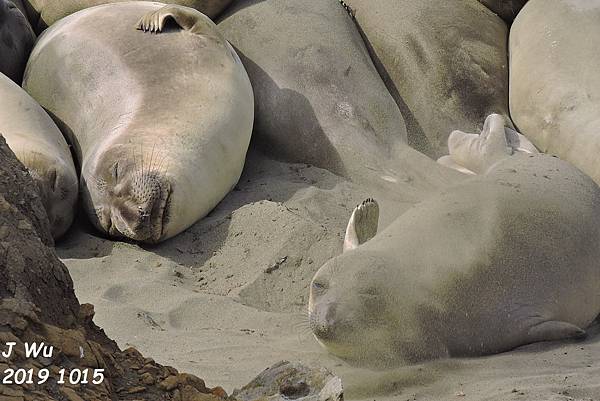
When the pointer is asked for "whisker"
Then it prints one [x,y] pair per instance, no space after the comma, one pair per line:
[142,156]
[151,157]
[302,326]
[133,158]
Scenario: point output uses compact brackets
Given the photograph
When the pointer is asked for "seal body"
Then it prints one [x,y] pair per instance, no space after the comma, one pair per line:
[445,63]
[511,258]
[318,101]
[319,98]
[160,122]
[16,40]
[43,13]
[554,80]
[40,146]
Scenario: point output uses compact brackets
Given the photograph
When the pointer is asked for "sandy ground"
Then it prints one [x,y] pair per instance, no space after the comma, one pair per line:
[226,299]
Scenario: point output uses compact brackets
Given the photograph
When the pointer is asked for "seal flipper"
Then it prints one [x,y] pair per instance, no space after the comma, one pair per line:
[449,162]
[362,225]
[187,18]
[477,153]
[553,330]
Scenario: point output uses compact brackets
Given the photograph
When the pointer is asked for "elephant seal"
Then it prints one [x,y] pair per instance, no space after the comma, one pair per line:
[16,40]
[507,9]
[445,64]
[160,122]
[44,13]
[40,146]
[505,258]
[321,102]
[554,80]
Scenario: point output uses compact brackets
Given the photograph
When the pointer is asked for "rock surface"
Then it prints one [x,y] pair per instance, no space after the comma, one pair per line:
[292,381]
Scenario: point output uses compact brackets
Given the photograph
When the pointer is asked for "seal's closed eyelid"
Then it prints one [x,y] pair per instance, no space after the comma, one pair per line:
[320,285]
[53,179]
[114,171]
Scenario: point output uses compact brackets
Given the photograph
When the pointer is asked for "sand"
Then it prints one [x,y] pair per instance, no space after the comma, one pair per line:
[227,298]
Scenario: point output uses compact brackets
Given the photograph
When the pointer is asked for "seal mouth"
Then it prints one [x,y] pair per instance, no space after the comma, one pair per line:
[144,222]
[323,327]
[165,209]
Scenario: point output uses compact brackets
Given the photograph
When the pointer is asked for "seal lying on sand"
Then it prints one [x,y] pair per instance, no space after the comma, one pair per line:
[445,64]
[317,101]
[322,102]
[160,123]
[503,259]
[43,13]
[16,40]
[554,80]
[39,145]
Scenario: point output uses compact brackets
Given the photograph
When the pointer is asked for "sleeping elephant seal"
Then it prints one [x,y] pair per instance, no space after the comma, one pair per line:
[43,13]
[317,101]
[507,9]
[506,258]
[318,97]
[16,40]
[554,80]
[160,122]
[40,146]
[445,63]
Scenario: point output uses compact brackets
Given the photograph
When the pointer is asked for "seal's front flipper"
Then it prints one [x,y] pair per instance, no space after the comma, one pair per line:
[555,330]
[187,18]
[362,225]
[478,152]
[449,162]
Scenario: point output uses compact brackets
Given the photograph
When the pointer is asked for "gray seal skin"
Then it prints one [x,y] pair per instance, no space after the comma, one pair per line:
[507,9]
[160,122]
[40,146]
[445,63]
[506,258]
[554,80]
[16,40]
[43,13]
[318,97]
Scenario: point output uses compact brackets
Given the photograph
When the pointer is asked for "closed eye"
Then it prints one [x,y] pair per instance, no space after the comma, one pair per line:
[319,286]
[115,171]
